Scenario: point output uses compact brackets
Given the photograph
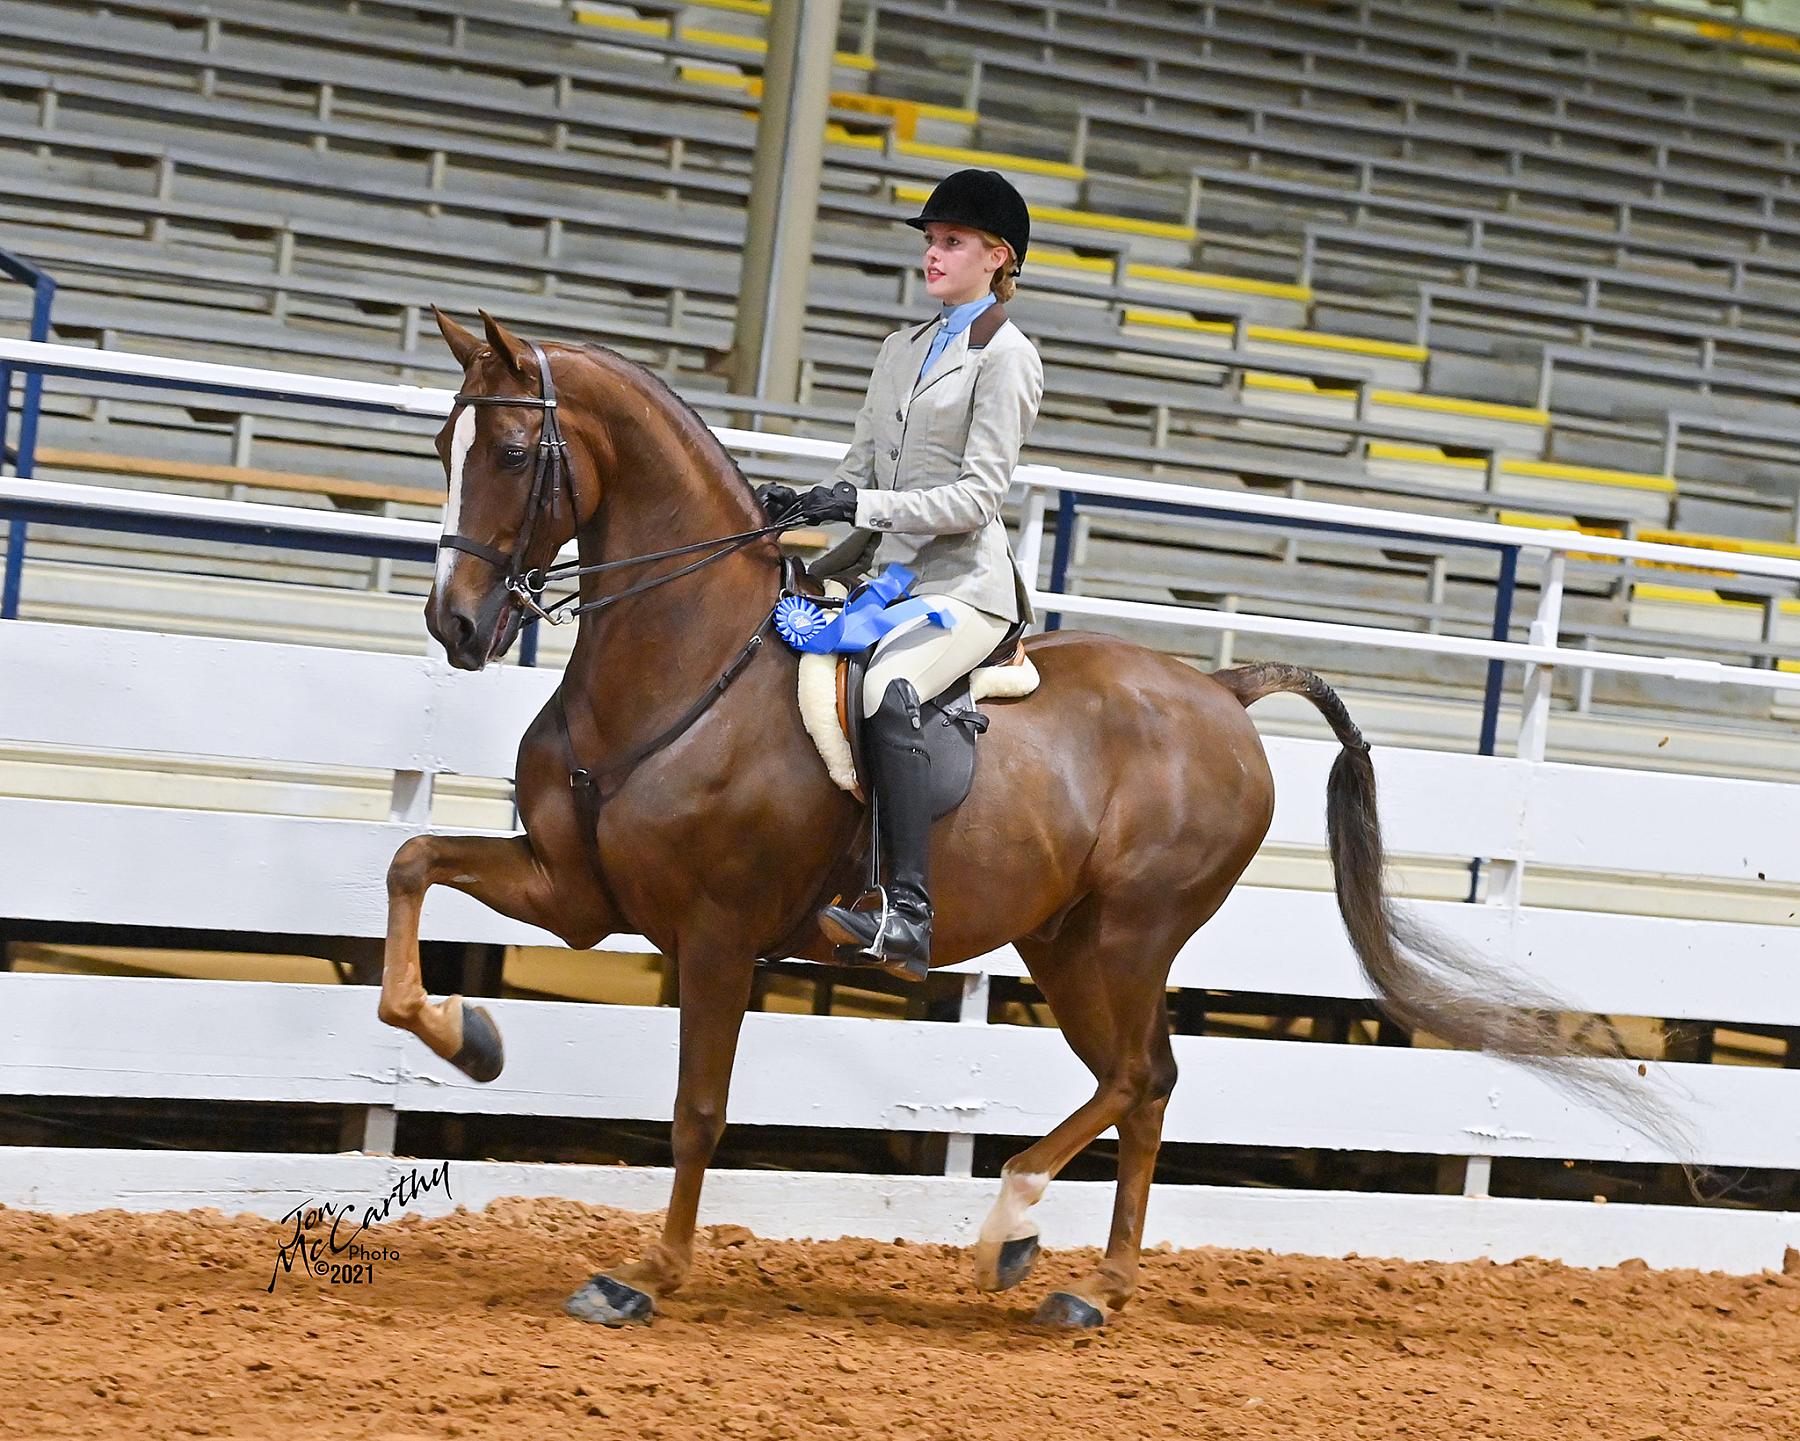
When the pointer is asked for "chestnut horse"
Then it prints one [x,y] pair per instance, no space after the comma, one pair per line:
[1111,813]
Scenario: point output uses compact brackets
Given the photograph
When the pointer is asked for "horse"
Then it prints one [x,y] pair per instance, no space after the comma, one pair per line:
[669,788]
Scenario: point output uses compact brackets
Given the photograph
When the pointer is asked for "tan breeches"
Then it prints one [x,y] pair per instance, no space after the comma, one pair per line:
[930,656]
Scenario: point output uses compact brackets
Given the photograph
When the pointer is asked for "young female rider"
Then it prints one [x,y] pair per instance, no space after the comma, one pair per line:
[949,404]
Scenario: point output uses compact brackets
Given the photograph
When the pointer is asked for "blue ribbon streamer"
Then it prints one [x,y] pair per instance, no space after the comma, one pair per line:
[881,606]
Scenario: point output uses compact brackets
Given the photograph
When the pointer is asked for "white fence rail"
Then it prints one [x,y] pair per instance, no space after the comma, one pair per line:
[415,718]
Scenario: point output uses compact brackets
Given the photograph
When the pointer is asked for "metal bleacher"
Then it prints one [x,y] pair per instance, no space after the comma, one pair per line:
[1530,261]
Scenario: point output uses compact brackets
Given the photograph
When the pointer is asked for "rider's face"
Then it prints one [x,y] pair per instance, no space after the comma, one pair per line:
[959,264]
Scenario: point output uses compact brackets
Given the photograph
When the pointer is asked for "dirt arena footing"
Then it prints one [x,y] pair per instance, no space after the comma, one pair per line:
[163,1325]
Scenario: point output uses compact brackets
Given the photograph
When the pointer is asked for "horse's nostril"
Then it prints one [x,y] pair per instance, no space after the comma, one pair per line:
[461,631]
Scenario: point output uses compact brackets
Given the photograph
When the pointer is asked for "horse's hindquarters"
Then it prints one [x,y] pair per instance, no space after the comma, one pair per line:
[1128,773]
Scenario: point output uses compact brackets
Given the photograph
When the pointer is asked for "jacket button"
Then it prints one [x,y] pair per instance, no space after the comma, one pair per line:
[893,452]
[899,415]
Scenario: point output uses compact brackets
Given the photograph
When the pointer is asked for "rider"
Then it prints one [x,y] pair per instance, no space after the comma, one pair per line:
[949,404]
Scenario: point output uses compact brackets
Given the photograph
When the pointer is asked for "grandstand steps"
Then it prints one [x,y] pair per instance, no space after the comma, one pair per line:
[1719,614]
[1544,483]
[1519,382]
[1391,365]
[1517,429]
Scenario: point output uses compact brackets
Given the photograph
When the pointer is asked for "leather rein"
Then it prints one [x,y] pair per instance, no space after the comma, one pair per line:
[524,587]
[549,483]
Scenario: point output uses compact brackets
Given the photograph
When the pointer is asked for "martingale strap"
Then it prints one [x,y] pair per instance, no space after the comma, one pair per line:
[595,786]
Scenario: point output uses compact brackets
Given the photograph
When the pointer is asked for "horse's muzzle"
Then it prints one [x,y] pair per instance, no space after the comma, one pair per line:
[471,641]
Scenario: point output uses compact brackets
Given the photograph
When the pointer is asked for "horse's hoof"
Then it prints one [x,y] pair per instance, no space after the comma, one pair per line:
[482,1057]
[607,1302]
[1015,1263]
[1068,1313]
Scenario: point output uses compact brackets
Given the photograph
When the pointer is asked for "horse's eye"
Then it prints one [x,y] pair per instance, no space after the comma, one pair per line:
[512,456]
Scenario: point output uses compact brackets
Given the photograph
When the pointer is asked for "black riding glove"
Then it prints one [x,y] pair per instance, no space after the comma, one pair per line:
[776,499]
[826,503]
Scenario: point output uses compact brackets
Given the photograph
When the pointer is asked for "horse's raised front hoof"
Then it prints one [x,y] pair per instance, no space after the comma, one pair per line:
[1068,1313]
[482,1057]
[607,1302]
[1015,1263]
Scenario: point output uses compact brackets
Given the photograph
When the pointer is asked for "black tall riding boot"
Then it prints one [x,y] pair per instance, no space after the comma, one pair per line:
[897,935]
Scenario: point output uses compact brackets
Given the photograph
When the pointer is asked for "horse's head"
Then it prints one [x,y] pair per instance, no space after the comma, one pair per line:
[514,498]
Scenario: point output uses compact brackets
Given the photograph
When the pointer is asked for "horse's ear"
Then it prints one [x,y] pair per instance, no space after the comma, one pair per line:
[463,343]
[511,350]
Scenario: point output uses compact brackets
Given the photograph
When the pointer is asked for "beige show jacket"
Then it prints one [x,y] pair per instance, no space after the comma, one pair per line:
[933,458]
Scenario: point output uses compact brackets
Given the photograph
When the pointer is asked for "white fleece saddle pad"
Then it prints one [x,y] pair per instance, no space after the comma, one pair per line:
[819,702]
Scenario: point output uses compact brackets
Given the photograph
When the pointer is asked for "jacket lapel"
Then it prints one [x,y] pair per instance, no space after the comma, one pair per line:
[983,329]
[949,361]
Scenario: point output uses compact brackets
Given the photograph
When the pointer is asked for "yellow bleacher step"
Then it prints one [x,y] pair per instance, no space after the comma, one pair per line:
[1173,275]
[1083,219]
[1683,595]
[904,114]
[1590,475]
[726,79]
[1748,35]
[836,134]
[993,159]
[699,35]
[1781,549]
[1532,521]
[1280,335]
[1537,469]
[1693,540]
[1445,404]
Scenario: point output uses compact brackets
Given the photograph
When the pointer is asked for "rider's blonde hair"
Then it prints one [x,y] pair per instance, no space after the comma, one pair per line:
[1003,284]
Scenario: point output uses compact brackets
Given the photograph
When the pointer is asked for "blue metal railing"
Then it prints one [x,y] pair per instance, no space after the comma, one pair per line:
[24,454]
[19,514]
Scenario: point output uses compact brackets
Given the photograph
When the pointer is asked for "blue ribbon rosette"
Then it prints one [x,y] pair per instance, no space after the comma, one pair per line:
[880,606]
[798,618]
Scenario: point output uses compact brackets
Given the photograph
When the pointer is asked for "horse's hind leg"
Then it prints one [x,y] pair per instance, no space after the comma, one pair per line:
[1115,1280]
[1104,981]
[499,871]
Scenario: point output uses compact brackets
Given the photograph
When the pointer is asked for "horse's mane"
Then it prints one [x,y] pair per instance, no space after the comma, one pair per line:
[677,402]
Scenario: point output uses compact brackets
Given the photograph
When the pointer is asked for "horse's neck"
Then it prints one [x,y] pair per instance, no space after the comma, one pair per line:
[641,662]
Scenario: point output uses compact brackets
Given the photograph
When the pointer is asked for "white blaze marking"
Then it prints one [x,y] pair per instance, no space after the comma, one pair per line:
[460,440]
[1008,1221]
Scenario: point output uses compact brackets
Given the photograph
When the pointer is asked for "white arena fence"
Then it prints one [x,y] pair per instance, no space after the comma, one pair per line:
[413,717]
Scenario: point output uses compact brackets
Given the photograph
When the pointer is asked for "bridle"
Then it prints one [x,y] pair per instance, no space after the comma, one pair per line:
[524,587]
[549,481]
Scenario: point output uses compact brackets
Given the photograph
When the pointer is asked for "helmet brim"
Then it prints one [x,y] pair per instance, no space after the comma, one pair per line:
[919,222]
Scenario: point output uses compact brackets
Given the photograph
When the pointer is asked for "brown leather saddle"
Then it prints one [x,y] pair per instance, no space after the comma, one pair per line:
[949,723]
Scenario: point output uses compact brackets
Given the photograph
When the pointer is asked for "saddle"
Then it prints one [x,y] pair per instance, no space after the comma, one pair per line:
[949,723]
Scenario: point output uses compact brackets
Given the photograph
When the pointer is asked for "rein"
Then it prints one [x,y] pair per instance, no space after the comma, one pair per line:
[526,587]
[550,480]
[594,786]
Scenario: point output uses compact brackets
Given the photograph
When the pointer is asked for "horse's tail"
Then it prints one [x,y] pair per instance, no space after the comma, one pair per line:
[1424,980]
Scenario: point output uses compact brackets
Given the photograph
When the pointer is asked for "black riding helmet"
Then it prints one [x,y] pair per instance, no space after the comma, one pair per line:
[981,200]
